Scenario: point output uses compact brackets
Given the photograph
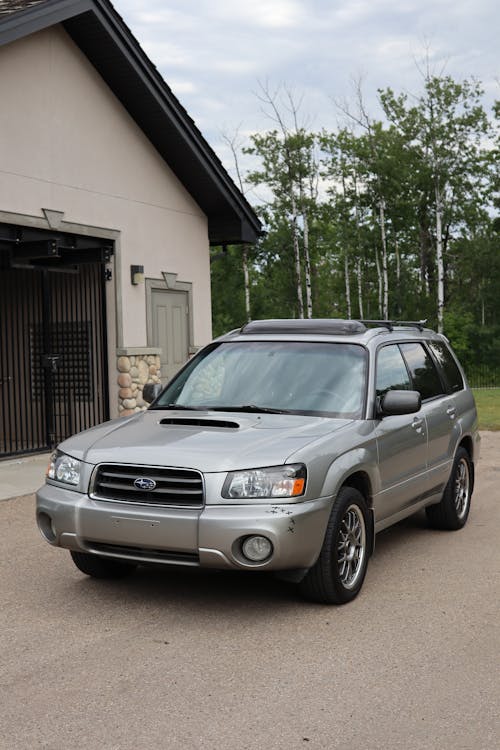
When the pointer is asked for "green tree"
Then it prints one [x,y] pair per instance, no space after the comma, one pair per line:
[444,131]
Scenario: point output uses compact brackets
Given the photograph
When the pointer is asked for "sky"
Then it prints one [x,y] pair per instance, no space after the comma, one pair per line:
[217,54]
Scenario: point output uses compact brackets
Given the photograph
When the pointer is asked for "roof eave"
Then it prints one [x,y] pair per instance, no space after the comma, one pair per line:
[231,219]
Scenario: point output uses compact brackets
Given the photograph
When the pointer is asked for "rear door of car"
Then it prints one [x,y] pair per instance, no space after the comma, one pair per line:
[439,409]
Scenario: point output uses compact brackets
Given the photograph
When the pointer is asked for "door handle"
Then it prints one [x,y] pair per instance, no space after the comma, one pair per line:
[451,412]
[417,424]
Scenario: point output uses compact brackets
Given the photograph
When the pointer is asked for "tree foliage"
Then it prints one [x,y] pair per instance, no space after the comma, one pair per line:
[393,218]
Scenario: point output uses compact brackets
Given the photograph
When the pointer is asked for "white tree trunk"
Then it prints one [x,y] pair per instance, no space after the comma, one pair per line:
[347,286]
[380,285]
[233,145]
[247,282]
[360,288]
[398,275]
[307,265]
[440,260]
[296,252]
[385,279]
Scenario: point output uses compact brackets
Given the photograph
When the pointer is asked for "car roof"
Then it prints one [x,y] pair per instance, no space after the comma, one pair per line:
[331,329]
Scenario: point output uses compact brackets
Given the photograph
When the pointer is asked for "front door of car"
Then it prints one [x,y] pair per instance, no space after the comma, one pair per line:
[401,442]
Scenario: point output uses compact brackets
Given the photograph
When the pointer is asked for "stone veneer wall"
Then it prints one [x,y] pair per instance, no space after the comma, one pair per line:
[136,367]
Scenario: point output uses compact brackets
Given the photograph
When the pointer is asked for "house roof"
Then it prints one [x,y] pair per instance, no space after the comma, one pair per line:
[102,35]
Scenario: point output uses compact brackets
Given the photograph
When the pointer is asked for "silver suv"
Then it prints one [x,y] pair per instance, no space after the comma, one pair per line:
[283,446]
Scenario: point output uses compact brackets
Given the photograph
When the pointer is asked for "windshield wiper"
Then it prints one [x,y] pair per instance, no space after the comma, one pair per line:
[250,408]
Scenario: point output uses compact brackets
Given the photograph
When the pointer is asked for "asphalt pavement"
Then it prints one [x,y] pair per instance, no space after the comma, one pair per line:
[197,659]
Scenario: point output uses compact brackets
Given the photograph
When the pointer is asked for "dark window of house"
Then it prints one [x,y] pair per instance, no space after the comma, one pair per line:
[391,370]
[448,364]
[422,370]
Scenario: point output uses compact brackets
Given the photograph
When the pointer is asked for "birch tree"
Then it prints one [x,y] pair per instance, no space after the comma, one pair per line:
[289,169]
[234,143]
[445,129]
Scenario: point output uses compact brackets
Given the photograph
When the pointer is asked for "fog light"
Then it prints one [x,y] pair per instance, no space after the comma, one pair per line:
[257,548]
[47,527]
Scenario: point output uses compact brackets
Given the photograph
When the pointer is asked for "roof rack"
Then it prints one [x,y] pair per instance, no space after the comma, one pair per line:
[304,325]
[390,324]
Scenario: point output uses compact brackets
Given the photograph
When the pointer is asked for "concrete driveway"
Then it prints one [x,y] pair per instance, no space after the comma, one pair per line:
[193,659]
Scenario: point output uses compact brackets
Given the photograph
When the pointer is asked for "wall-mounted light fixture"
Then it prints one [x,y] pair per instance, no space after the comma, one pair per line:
[137,275]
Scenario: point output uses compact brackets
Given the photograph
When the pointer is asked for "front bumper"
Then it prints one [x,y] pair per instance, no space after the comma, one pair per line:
[206,537]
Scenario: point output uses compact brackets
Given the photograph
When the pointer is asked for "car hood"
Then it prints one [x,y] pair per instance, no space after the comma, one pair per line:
[208,441]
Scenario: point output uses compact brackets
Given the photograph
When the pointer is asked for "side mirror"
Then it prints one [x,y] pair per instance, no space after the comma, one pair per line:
[399,402]
[151,391]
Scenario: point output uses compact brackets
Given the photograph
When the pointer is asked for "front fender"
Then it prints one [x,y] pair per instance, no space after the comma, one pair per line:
[359,460]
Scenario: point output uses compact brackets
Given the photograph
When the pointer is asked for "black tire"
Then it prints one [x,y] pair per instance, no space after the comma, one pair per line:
[452,512]
[101,567]
[339,572]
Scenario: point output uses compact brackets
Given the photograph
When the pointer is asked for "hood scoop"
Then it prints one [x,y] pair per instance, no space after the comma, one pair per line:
[200,422]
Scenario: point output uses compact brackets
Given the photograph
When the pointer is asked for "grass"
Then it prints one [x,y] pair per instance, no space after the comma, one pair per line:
[488,407]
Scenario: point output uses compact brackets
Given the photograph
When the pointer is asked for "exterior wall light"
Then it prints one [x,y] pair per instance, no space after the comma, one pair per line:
[137,275]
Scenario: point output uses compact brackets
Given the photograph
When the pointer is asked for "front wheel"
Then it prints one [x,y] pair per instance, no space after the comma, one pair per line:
[339,572]
[101,567]
[453,510]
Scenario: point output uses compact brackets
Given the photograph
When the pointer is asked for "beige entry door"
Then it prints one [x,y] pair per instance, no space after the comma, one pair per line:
[170,329]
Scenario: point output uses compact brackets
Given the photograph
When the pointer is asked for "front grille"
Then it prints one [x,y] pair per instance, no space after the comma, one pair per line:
[181,487]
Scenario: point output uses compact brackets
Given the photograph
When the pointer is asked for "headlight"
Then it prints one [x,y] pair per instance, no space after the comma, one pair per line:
[273,481]
[64,468]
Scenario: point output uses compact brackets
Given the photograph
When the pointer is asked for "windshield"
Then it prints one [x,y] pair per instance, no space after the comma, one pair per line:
[284,377]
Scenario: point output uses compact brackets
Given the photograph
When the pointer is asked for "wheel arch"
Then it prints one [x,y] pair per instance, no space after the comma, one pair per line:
[468,444]
[360,481]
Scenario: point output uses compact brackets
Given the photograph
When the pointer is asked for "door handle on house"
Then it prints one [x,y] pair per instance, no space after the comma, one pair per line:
[50,362]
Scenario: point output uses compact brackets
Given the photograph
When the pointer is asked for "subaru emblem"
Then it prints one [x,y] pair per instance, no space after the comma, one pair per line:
[144,483]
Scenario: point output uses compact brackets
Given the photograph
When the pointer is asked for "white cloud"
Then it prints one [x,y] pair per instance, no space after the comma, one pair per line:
[165,54]
[214,52]
[274,14]
[182,87]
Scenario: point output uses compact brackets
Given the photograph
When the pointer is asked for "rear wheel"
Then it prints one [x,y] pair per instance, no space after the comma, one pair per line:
[453,510]
[338,574]
[101,567]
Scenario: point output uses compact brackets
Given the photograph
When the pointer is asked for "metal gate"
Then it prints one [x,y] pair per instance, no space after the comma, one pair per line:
[53,353]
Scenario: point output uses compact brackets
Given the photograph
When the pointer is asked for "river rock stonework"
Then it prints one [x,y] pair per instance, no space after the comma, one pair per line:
[134,371]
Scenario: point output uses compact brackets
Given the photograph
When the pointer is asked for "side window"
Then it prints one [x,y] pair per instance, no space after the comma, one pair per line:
[391,370]
[448,365]
[423,372]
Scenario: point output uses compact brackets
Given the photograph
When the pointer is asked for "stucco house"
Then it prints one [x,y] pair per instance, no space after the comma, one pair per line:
[109,200]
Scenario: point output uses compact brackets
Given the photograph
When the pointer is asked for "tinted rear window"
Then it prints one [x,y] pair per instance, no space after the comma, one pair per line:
[448,365]
[423,372]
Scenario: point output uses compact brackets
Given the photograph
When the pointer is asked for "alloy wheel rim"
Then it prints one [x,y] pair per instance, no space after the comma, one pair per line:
[462,482]
[351,547]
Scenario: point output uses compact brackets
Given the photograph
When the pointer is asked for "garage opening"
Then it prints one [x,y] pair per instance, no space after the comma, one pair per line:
[53,348]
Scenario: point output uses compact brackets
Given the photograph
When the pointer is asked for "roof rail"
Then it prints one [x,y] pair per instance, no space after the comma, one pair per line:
[390,324]
[324,326]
